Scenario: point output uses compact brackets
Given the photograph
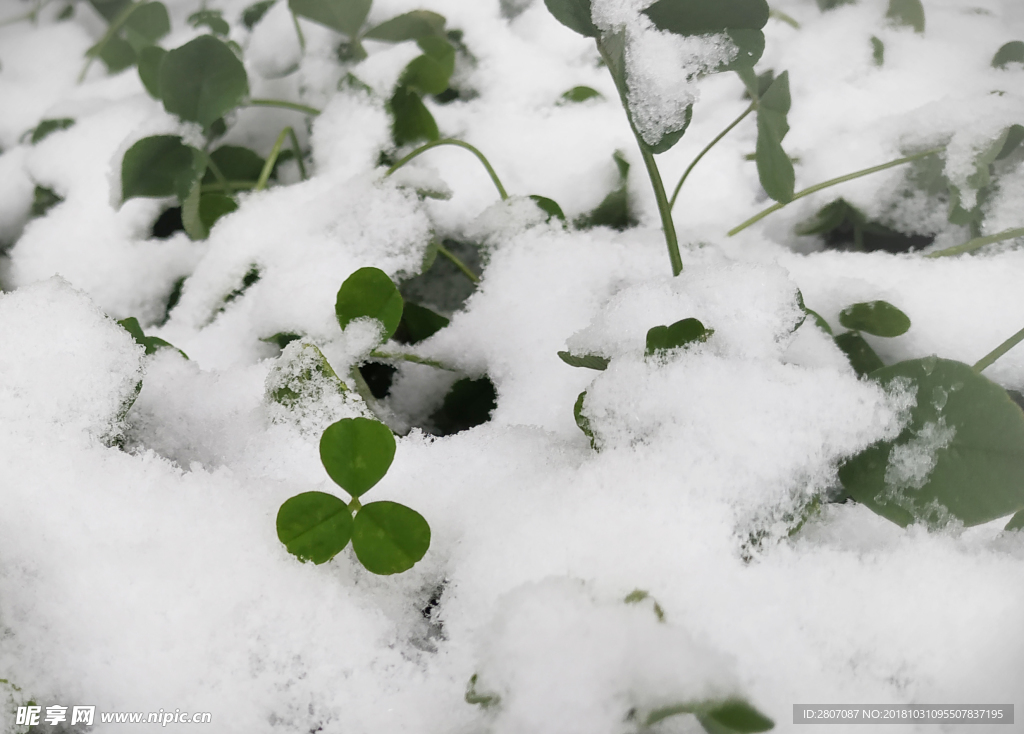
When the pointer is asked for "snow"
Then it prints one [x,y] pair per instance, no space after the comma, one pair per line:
[139,565]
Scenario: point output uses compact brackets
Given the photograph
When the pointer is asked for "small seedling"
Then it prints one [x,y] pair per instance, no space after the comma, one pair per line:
[387,537]
[740,20]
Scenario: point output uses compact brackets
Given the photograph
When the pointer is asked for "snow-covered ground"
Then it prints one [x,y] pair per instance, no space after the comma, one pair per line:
[139,563]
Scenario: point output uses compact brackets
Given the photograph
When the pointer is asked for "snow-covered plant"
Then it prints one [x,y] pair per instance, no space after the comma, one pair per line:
[964,431]
[204,80]
[709,38]
[387,537]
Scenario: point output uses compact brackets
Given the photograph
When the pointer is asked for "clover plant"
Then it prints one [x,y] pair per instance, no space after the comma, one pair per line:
[960,453]
[204,80]
[387,537]
[661,343]
[956,411]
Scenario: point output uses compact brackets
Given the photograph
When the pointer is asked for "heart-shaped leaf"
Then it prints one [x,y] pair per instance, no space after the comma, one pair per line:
[389,538]
[408,27]
[345,16]
[315,526]
[357,452]
[161,165]
[774,167]
[960,457]
[574,14]
[147,24]
[1009,53]
[150,59]
[236,164]
[589,361]
[429,73]
[875,317]
[411,120]
[679,334]
[907,12]
[863,358]
[369,292]
[202,80]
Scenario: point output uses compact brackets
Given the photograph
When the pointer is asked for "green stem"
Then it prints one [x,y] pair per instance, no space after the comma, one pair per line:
[779,15]
[460,144]
[709,146]
[977,243]
[457,262]
[112,29]
[219,175]
[833,182]
[415,358]
[298,154]
[612,50]
[268,167]
[305,109]
[298,32]
[999,351]
[363,390]
[664,208]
